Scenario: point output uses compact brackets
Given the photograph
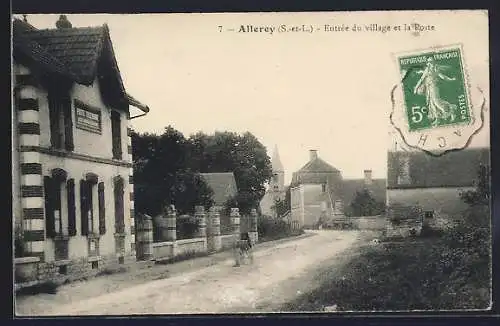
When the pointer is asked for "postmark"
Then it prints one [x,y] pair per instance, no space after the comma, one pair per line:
[435,109]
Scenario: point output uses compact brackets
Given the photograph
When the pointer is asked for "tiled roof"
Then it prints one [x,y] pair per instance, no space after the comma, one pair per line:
[71,52]
[318,165]
[377,188]
[454,169]
[78,48]
[223,185]
[314,172]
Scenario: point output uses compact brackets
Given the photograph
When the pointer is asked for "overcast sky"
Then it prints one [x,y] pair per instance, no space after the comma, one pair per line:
[328,91]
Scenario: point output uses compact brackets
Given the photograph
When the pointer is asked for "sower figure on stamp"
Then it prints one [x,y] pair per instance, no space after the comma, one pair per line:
[243,249]
[428,85]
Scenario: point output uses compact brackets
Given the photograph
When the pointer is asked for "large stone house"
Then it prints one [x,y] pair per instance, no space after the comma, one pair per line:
[276,187]
[72,173]
[318,190]
[433,183]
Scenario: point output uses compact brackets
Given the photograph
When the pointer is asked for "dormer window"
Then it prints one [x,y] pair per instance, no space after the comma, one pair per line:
[61,121]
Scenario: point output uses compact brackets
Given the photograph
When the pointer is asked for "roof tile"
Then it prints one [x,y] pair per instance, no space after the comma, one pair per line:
[223,185]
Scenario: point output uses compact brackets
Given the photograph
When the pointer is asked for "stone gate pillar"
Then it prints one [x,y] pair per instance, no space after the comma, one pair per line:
[214,241]
[199,214]
[235,223]
[235,228]
[171,230]
[144,250]
[253,232]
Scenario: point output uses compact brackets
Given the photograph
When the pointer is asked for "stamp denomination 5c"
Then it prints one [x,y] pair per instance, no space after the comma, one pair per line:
[434,107]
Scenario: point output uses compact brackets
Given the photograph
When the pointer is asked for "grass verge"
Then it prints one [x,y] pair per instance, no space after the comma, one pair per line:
[435,272]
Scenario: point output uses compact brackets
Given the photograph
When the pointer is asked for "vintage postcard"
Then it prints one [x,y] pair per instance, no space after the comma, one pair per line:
[251,163]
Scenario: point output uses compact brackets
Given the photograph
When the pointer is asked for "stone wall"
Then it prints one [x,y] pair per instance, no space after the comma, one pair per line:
[208,238]
[226,241]
[68,270]
[369,222]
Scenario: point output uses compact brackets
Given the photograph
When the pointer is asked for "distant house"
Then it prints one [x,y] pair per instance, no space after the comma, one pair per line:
[318,190]
[72,156]
[223,184]
[433,183]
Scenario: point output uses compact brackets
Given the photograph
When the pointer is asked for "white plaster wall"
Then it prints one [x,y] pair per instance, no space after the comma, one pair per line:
[86,142]
[296,203]
[77,169]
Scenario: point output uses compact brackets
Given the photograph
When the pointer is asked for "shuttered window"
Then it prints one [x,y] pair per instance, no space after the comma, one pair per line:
[48,185]
[116,135]
[85,206]
[119,205]
[102,208]
[70,188]
[61,121]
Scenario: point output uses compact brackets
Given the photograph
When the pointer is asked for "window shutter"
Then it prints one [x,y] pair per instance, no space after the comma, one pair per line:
[48,185]
[102,209]
[68,125]
[84,207]
[119,209]
[70,186]
[116,135]
[54,108]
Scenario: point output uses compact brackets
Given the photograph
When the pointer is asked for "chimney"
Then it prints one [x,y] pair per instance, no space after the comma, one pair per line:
[313,154]
[63,22]
[368,177]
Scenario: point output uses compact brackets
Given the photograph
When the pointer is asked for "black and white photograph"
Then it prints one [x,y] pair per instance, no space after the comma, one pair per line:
[251,163]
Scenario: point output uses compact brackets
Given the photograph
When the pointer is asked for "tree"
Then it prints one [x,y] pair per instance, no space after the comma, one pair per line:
[480,195]
[364,204]
[283,206]
[190,190]
[161,174]
[241,154]
[167,166]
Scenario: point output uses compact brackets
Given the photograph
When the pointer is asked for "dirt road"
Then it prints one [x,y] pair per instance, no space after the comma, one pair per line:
[278,274]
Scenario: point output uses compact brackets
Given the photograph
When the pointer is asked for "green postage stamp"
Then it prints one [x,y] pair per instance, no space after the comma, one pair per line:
[434,107]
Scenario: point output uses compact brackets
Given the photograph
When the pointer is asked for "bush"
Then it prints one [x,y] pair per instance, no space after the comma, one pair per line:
[187,227]
[272,229]
[225,224]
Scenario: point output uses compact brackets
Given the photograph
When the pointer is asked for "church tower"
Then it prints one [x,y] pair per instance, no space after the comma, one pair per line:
[277,183]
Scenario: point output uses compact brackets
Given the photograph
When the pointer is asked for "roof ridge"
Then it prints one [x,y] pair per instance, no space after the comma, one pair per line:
[68,29]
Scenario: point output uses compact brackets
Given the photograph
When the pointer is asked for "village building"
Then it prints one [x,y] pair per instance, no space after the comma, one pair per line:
[276,187]
[223,185]
[318,191]
[433,183]
[72,182]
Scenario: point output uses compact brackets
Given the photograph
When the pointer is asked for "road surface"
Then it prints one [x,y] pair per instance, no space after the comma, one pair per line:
[278,274]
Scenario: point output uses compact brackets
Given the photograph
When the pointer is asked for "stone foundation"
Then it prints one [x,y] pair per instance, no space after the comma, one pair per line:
[71,270]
